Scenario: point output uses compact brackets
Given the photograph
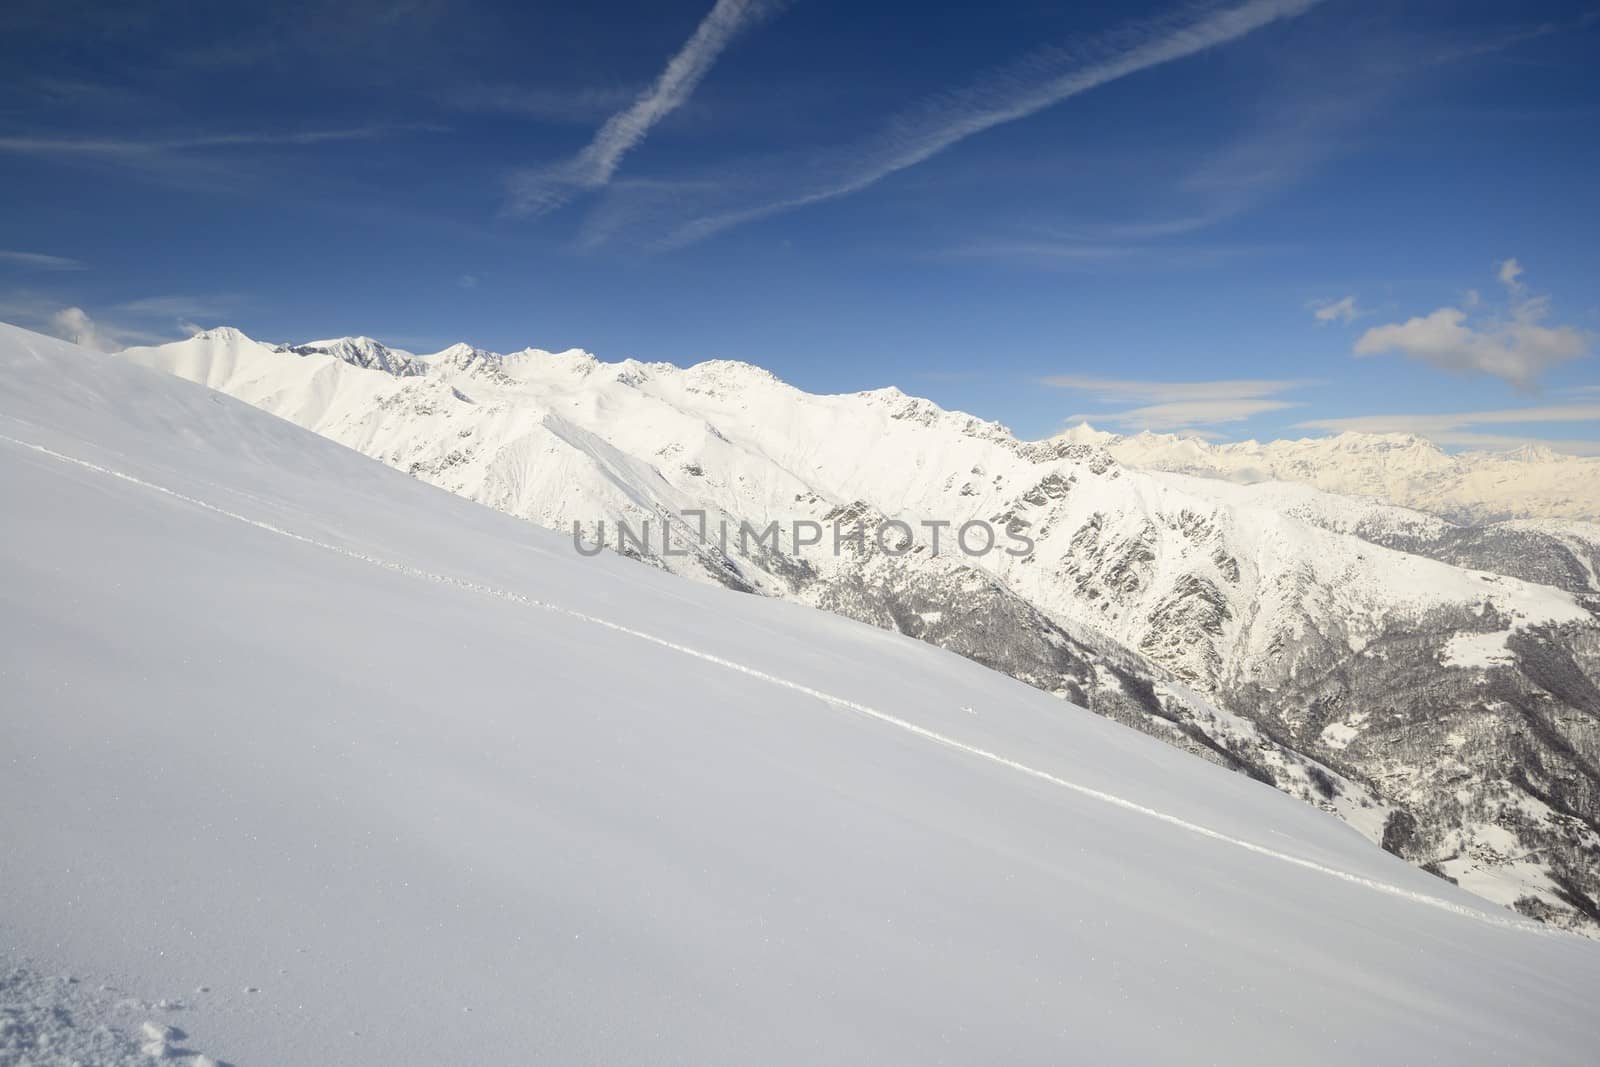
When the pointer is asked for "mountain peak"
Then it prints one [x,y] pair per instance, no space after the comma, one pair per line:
[731,370]
[363,352]
[1533,453]
[1085,434]
[226,334]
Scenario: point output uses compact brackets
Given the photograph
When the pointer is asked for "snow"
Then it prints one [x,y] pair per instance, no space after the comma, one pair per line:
[59,1021]
[1340,734]
[438,789]
[560,438]
[1477,650]
[1404,469]
[1214,582]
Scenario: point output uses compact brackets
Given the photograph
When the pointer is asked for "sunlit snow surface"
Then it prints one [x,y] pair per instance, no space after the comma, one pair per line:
[398,779]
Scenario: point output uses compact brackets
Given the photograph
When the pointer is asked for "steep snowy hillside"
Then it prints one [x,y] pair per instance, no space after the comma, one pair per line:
[1446,712]
[563,439]
[1468,487]
[318,764]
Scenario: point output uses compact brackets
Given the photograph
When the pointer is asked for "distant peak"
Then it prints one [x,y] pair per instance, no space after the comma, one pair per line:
[220,333]
[1384,440]
[459,350]
[731,368]
[1085,434]
[1533,453]
[360,344]
[571,355]
[362,351]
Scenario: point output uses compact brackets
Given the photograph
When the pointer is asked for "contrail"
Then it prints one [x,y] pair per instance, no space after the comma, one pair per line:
[1033,83]
[535,192]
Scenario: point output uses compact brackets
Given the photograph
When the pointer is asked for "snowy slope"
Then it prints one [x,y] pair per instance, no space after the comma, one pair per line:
[393,778]
[1525,483]
[1267,628]
[560,438]
[1562,553]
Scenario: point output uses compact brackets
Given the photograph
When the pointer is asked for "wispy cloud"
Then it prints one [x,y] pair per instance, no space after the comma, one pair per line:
[1075,255]
[1311,110]
[1167,406]
[537,191]
[39,261]
[1516,349]
[206,162]
[1343,310]
[74,324]
[1033,83]
[1510,274]
[191,307]
[113,147]
[185,314]
[1464,429]
[556,106]
[134,322]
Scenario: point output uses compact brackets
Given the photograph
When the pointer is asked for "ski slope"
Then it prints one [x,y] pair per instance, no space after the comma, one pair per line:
[357,771]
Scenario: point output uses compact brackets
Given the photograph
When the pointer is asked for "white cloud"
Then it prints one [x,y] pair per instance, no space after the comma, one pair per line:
[537,191]
[1516,349]
[1184,414]
[39,261]
[1343,310]
[1463,429]
[693,211]
[467,281]
[1510,274]
[74,324]
[48,314]
[1166,406]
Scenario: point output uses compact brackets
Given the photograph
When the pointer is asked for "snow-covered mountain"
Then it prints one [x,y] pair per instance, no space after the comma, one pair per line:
[1563,553]
[1531,482]
[321,765]
[1303,638]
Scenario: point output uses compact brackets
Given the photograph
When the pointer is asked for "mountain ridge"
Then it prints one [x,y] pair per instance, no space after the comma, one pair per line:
[606,815]
[1293,621]
[1530,481]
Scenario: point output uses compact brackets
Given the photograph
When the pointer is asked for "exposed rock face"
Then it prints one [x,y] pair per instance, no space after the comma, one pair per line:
[1436,685]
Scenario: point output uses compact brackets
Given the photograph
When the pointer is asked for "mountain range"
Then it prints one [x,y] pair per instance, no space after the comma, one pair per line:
[308,761]
[1468,488]
[1429,679]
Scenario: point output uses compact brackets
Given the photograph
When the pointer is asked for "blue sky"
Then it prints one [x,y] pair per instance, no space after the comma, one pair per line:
[1261,218]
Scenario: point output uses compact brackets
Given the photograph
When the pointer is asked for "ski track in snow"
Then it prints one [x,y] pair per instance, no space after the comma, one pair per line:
[828,698]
